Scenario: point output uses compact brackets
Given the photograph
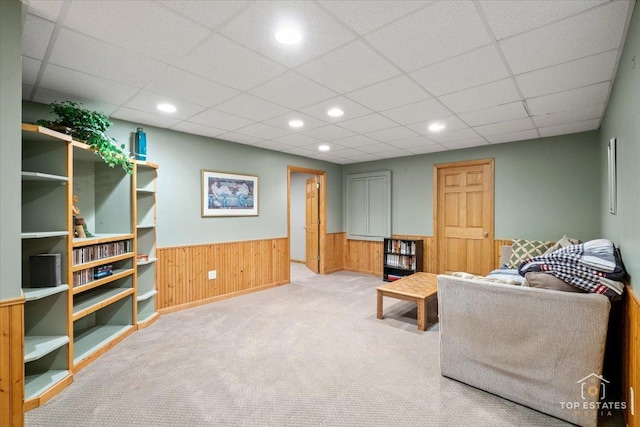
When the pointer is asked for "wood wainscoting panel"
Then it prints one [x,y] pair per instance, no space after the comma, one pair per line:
[632,358]
[363,256]
[241,267]
[429,262]
[334,252]
[497,245]
[12,362]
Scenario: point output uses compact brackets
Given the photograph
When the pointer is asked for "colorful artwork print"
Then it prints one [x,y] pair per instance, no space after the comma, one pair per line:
[225,194]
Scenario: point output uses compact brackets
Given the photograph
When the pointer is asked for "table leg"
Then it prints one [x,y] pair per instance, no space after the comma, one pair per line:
[379,305]
[422,314]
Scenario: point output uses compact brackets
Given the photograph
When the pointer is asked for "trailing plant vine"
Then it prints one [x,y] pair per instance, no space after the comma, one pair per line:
[90,127]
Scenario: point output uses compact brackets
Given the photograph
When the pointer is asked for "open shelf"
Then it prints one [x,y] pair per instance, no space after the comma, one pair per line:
[37,384]
[33,294]
[43,234]
[150,260]
[87,303]
[146,295]
[143,191]
[99,238]
[91,340]
[117,274]
[44,177]
[39,346]
[102,261]
[145,226]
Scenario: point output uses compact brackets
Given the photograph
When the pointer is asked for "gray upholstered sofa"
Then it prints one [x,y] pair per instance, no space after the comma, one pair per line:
[541,348]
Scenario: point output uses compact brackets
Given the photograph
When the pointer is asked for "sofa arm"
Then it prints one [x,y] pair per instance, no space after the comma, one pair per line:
[527,345]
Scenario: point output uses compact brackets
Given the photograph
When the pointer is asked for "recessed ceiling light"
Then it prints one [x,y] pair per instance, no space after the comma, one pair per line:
[288,35]
[166,108]
[436,127]
[296,123]
[335,112]
[324,148]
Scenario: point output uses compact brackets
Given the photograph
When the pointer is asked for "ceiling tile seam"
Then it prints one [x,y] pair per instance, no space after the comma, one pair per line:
[216,29]
[565,18]
[630,8]
[568,124]
[52,41]
[348,27]
[567,62]
[503,58]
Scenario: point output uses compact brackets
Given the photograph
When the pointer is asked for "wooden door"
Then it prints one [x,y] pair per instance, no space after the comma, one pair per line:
[312,224]
[463,216]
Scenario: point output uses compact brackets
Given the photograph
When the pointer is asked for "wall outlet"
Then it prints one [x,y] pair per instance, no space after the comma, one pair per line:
[213,274]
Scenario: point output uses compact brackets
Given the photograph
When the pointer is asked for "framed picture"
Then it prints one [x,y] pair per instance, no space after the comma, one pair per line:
[228,194]
[611,169]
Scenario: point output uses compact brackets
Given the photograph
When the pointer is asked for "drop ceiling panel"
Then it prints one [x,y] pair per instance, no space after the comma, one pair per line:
[365,16]
[363,158]
[507,18]
[241,138]
[79,52]
[282,122]
[569,100]
[515,136]
[349,68]
[511,111]
[30,70]
[505,127]
[46,96]
[83,85]
[351,109]
[417,142]
[369,123]
[435,148]
[392,134]
[272,145]
[454,135]
[226,62]
[135,116]
[250,107]
[422,111]
[211,14]
[450,123]
[355,141]
[455,145]
[389,94]
[489,95]
[197,129]
[475,68]
[595,31]
[297,140]
[566,117]
[292,90]
[218,119]
[329,133]
[377,148]
[148,101]
[570,75]
[36,35]
[190,87]
[262,131]
[570,128]
[144,27]
[47,9]
[437,32]
[256,26]
[27,90]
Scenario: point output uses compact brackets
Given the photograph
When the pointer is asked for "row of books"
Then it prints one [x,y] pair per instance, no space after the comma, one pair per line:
[85,276]
[401,261]
[104,250]
[401,247]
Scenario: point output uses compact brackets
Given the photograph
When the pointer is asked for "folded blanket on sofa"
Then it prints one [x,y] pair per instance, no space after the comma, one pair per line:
[594,266]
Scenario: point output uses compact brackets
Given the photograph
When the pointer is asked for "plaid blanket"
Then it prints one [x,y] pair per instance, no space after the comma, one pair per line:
[594,266]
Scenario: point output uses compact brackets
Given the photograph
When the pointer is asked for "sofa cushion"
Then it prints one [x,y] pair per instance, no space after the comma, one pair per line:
[525,249]
[496,278]
[564,241]
[547,281]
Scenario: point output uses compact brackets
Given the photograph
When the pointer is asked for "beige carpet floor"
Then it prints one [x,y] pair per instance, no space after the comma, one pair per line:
[311,353]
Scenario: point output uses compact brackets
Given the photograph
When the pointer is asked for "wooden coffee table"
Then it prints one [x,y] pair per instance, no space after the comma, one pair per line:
[417,288]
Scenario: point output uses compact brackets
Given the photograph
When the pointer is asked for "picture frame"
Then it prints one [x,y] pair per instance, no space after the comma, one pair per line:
[228,194]
[612,175]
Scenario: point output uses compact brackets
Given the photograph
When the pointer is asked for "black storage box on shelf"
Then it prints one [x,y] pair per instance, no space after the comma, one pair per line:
[45,270]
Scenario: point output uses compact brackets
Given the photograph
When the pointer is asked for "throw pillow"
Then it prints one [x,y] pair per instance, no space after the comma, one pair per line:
[525,249]
[564,241]
[547,281]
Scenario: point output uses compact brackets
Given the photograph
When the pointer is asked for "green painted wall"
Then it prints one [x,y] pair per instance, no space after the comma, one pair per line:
[10,147]
[544,188]
[181,158]
[622,121]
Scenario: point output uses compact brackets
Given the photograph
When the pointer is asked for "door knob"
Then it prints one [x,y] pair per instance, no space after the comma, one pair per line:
[485,234]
